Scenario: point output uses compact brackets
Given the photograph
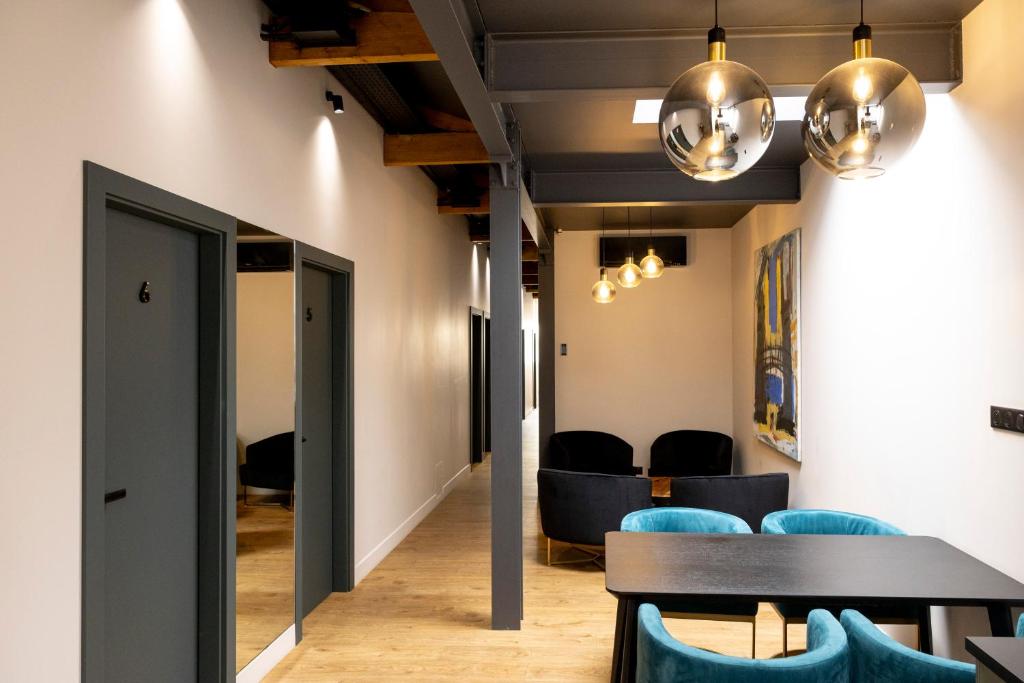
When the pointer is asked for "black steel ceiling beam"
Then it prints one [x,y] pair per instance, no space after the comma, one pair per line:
[451,32]
[662,188]
[626,65]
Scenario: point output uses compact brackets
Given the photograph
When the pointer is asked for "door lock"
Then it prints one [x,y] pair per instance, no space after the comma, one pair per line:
[144,295]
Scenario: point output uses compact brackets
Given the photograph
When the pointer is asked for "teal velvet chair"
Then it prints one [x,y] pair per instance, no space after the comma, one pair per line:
[832,522]
[663,659]
[696,521]
[876,657]
[1020,627]
[826,522]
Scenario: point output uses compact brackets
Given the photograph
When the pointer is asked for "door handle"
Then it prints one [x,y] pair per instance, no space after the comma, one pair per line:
[111,496]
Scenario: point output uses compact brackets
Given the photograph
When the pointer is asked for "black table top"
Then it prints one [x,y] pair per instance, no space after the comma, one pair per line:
[1002,656]
[795,568]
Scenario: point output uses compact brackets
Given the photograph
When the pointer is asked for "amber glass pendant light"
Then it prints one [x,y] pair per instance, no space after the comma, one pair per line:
[629,275]
[603,291]
[651,266]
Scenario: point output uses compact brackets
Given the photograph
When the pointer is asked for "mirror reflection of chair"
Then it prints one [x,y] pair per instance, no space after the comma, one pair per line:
[269,464]
[691,453]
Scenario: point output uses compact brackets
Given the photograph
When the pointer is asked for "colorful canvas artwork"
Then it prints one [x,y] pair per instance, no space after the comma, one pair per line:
[777,345]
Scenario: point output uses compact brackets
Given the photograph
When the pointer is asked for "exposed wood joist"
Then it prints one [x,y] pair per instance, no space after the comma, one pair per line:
[381,37]
[662,188]
[446,205]
[444,121]
[434,149]
[606,65]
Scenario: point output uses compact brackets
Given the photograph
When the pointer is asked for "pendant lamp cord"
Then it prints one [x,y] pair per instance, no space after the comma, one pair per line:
[629,233]
[650,226]
[716,11]
[861,11]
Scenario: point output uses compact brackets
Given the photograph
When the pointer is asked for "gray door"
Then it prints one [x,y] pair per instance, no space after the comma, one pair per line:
[317,438]
[152,389]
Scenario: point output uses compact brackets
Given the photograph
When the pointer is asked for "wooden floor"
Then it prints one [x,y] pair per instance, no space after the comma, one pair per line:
[265,578]
[424,613]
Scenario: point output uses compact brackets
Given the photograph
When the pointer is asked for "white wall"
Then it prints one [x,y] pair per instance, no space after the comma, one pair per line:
[265,358]
[658,358]
[531,327]
[179,93]
[912,323]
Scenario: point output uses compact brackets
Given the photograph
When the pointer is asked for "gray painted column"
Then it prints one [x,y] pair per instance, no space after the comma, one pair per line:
[506,398]
[548,346]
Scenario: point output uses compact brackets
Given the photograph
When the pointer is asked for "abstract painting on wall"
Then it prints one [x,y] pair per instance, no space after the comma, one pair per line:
[777,345]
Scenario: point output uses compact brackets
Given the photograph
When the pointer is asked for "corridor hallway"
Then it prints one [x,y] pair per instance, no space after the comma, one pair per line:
[424,613]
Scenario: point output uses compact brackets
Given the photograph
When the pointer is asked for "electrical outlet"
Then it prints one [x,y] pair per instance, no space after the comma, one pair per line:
[565,349]
[1009,419]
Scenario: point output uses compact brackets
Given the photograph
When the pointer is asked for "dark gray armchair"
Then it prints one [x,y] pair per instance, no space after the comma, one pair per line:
[578,508]
[691,453]
[748,496]
[588,451]
[269,464]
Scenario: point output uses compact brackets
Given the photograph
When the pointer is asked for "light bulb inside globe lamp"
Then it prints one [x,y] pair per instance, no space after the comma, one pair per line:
[629,275]
[603,290]
[651,265]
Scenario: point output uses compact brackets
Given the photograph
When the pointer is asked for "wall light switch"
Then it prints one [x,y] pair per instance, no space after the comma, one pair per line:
[564,350]
[1008,419]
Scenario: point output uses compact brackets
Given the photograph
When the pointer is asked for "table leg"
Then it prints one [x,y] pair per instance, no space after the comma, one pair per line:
[924,629]
[620,630]
[1000,620]
[629,642]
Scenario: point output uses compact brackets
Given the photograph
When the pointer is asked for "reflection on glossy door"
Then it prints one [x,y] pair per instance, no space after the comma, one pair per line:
[265,524]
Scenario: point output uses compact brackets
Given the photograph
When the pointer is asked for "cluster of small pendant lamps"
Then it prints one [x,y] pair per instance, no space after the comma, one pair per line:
[630,274]
[718,119]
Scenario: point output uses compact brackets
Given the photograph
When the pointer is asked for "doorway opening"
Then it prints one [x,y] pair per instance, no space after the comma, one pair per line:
[479,387]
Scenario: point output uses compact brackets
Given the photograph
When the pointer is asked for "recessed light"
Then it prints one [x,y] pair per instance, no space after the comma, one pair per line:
[786,109]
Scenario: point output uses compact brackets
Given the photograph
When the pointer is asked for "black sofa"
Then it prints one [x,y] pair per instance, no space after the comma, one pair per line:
[587,451]
[748,496]
[691,453]
[579,507]
[269,464]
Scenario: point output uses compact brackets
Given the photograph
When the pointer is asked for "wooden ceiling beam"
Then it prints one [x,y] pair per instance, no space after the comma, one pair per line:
[381,37]
[482,207]
[434,149]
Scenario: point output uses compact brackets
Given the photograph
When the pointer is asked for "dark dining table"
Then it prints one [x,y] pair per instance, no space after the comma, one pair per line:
[880,571]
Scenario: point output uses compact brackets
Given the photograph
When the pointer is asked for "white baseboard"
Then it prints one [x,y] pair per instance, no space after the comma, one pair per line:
[453,482]
[261,664]
[384,548]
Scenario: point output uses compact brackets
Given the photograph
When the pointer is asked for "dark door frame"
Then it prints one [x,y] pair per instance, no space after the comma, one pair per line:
[478,428]
[342,272]
[105,189]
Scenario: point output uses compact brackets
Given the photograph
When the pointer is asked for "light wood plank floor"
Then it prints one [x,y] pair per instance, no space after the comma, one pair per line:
[265,578]
[423,613]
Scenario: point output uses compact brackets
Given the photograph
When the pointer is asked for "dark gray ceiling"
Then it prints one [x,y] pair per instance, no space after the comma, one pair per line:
[640,218]
[574,100]
[503,16]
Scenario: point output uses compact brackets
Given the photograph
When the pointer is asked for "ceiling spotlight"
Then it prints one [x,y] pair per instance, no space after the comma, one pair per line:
[862,116]
[717,118]
[337,103]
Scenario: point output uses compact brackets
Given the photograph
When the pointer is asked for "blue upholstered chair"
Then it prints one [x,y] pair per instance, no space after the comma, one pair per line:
[1020,627]
[876,657]
[696,521]
[832,522]
[663,659]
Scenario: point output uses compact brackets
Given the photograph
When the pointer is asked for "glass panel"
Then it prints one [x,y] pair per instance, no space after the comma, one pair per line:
[265,543]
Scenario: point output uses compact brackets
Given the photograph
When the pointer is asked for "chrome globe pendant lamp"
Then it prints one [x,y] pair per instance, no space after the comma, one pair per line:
[603,291]
[651,266]
[718,118]
[864,115]
[629,275]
